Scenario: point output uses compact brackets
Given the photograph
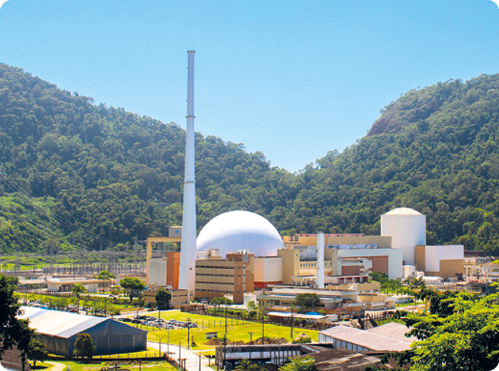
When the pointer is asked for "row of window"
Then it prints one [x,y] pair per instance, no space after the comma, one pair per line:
[215,275]
[314,264]
[227,292]
[215,283]
[216,267]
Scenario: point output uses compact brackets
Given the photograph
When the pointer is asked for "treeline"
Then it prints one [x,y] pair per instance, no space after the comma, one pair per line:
[107,174]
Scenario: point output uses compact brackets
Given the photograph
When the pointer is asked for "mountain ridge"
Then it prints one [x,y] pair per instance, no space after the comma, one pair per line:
[117,175]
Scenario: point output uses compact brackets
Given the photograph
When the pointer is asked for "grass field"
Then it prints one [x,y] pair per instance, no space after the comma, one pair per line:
[149,366]
[236,331]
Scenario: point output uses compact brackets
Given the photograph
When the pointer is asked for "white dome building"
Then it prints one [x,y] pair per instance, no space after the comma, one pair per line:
[407,228]
[240,230]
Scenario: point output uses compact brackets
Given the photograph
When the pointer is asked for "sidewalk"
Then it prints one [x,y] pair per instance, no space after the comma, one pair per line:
[192,362]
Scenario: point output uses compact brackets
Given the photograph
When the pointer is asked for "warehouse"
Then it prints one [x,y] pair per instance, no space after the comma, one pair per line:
[389,337]
[58,331]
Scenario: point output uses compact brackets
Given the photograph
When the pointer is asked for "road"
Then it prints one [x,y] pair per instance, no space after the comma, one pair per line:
[192,362]
[57,366]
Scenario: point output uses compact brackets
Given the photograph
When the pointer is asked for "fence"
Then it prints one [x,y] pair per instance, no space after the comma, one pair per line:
[242,317]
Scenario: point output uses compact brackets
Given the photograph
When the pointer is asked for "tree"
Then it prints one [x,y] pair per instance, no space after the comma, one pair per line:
[13,331]
[379,277]
[307,300]
[76,291]
[105,276]
[251,305]
[247,365]
[133,286]
[299,364]
[36,352]
[466,339]
[162,298]
[84,346]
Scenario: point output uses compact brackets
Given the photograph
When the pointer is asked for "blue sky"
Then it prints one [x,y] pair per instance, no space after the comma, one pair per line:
[292,79]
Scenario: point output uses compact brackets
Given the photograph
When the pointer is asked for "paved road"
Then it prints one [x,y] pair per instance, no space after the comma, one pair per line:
[192,363]
[57,366]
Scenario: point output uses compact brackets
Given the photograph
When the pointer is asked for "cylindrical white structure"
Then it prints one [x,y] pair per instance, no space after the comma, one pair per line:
[407,227]
[320,260]
[188,252]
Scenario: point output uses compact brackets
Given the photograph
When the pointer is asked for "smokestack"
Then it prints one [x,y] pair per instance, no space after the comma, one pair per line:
[320,260]
[188,252]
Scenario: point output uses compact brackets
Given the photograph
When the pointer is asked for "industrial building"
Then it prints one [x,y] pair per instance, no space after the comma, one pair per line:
[179,296]
[58,331]
[232,276]
[389,337]
[344,255]
[443,261]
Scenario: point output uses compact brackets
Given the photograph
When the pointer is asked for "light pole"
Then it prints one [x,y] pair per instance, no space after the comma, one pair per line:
[188,332]
[263,329]
[226,320]
[251,344]
[160,347]
[168,346]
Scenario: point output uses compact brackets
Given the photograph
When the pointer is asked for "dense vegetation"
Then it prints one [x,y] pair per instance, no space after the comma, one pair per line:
[95,174]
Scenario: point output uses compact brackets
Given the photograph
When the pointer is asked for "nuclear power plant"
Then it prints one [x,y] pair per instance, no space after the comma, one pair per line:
[240,253]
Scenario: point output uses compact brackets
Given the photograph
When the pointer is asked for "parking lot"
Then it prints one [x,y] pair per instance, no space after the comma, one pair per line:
[159,323]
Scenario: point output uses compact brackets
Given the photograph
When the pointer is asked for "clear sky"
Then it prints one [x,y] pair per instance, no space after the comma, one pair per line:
[292,79]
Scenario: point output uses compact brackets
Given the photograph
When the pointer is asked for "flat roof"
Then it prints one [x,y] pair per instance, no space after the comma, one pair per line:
[395,331]
[366,339]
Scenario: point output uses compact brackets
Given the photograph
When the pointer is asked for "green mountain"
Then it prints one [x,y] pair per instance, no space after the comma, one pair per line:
[77,173]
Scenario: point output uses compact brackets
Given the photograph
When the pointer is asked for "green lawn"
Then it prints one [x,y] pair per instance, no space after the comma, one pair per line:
[149,366]
[236,331]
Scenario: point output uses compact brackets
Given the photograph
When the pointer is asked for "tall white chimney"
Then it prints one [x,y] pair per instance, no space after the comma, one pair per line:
[320,260]
[188,251]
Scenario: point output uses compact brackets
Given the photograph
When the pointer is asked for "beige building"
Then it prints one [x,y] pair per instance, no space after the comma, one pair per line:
[179,297]
[282,298]
[344,255]
[268,271]
[443,261]
[164,271]
[217,277]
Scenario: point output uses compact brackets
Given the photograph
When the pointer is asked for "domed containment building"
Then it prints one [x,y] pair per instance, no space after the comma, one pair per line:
[240,230]
[407,228]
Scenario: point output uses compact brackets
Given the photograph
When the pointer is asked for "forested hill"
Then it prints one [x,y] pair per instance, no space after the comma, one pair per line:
[93,174]
[111,173]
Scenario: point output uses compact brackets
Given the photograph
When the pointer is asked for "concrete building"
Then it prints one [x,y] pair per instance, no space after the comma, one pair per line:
[164,271]
[349,255]
[66,284]
[275,355]
[268,271]
[179,297]
[58,331]
[444,261]
[282,298]
[217,277]
[407,227]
